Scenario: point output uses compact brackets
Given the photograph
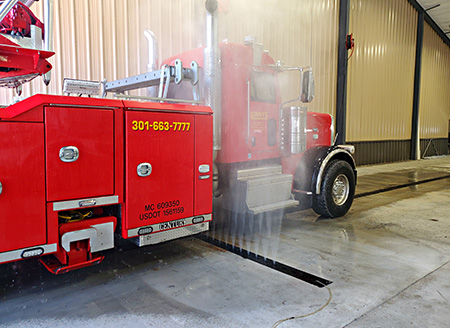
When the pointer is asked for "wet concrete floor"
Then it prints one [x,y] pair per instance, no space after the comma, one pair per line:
[375,179]
[388,258]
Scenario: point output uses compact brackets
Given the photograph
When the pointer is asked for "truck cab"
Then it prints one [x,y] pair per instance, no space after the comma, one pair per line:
[272,154]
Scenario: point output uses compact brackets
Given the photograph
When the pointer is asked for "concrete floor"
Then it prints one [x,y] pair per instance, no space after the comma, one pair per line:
[388,258]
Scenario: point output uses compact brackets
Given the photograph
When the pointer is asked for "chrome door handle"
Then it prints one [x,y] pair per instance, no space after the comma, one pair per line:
[69,154]
[144,169]
[86,203]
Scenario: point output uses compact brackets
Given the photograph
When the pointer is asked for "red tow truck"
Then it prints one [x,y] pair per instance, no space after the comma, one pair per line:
[77,172]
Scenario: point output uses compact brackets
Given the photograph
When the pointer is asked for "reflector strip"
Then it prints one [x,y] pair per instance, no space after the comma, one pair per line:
[17,254]
[67,205]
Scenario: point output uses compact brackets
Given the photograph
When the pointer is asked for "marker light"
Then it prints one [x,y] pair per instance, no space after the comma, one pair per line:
[32,252]
[145,231]
[204,168]
[198,219]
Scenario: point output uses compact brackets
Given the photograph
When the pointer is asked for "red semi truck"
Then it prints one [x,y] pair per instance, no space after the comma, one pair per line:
[78,172]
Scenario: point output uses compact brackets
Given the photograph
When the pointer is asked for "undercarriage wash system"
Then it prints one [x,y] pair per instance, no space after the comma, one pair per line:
[77,172]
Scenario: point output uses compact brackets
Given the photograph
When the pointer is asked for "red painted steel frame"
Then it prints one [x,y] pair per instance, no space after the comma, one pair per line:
[22,61]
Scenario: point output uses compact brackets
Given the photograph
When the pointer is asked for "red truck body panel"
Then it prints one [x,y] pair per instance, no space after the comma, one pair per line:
[162,142]
[91,131]
[22,172]
[112,138]
[203,179]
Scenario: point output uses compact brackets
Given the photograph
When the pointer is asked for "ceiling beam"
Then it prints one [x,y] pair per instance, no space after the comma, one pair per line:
[430,21]
[435,6]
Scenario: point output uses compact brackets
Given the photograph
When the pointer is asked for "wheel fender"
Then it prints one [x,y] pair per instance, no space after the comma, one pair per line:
[334,152]
[312,166]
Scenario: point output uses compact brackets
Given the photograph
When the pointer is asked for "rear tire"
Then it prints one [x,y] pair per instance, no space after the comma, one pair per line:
[337,190]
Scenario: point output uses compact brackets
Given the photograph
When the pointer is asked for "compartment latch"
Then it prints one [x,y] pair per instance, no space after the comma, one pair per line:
[69,154]
[144,169]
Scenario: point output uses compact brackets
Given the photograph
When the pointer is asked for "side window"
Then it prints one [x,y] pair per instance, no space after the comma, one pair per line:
[262,87]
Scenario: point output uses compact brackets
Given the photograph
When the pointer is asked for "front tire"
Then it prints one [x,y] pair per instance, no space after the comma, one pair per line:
[337,190]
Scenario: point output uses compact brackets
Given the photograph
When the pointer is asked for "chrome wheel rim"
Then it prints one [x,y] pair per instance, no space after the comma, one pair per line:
[341,189]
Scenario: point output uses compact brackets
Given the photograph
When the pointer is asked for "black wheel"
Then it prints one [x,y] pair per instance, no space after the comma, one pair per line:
[337,190]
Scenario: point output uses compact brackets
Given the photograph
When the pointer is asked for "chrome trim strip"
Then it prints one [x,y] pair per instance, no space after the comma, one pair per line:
[156,238]
[156,227]
[349,148]
[67,205]
[17,254]
[325,163]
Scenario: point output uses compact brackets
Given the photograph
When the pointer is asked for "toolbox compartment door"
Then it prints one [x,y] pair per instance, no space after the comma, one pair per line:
[165,141]
[22,175]
[90,133]
[203,164]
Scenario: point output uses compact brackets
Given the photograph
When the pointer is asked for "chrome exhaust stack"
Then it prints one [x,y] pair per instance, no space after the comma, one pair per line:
[212,71]
[29,3]
[153,60]
[48,33]
[212,77]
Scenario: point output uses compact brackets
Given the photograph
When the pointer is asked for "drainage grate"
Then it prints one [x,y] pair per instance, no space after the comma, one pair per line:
[283,268]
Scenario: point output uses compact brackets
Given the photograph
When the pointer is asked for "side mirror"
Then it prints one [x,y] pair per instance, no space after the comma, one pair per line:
[307,86]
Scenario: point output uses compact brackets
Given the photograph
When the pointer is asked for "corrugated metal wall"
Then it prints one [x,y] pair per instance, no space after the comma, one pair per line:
[434,93]
[381,70]
[300,33]
[96,39]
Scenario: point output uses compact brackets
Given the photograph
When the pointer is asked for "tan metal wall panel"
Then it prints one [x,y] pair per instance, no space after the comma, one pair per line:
[96,39]
[434,107]
[381,70]
[300,33]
